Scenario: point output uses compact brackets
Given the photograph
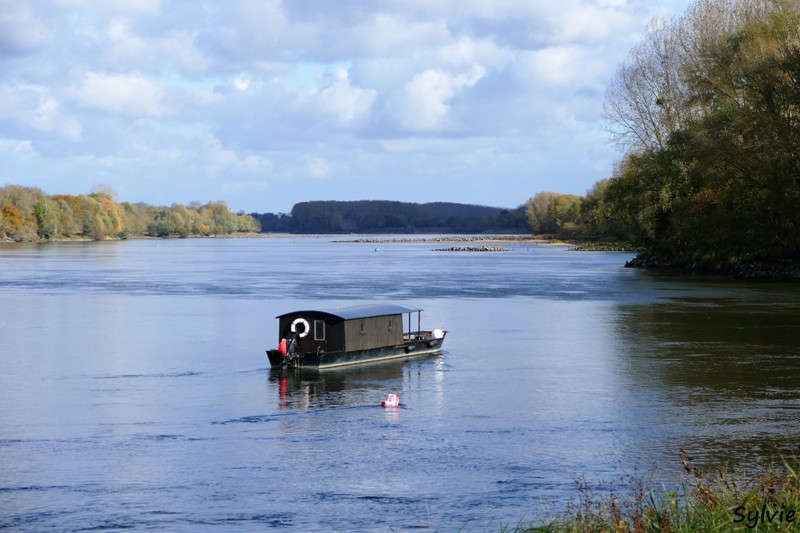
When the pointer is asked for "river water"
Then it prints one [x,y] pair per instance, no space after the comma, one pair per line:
[135,392]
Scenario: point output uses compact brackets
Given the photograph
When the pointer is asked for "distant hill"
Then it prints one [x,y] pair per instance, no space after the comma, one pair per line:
[384,216]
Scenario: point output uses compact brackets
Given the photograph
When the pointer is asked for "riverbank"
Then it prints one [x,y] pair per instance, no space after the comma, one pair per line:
[707,501]
[472,249]
[83,239]
[757,270]
[525,239]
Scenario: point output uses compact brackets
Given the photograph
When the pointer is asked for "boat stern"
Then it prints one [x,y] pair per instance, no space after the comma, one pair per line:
[276,358]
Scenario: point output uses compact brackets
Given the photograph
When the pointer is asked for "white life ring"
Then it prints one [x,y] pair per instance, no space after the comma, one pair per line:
[306,327]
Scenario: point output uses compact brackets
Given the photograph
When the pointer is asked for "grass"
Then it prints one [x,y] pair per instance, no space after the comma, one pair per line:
[709,501]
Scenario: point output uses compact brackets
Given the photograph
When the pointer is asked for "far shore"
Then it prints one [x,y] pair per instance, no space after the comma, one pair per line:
[525,239]
[366,238]
[339,238]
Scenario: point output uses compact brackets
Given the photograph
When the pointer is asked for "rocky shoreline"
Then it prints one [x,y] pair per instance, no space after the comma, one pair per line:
[604,247]
[757,270]
[472,249]
[466,238]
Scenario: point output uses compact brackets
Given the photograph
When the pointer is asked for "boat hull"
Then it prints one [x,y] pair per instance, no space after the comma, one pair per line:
[410,348]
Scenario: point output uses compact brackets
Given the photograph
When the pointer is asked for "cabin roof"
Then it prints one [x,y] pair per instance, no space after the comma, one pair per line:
[360,311]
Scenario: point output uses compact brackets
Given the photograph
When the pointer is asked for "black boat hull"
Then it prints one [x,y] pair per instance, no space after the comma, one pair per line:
[410,348]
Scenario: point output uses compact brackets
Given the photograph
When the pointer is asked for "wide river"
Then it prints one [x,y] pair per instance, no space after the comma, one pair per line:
[135,392]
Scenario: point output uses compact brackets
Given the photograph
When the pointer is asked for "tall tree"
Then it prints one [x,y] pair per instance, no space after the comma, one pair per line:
[717,180]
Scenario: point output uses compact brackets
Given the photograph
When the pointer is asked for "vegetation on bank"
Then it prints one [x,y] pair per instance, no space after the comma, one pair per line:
[708,109]
[28,215]
[709,501]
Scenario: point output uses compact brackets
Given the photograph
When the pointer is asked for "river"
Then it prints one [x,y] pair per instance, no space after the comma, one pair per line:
[135,392]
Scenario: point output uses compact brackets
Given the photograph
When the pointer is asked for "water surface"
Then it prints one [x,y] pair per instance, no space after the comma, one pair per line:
[135,391]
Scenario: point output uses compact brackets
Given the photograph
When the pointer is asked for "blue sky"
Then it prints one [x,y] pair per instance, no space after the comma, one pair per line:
[263,103]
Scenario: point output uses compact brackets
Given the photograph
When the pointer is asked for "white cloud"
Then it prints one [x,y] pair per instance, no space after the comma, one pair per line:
[318,168]
[395,35]
[123,46]
[425,101]
[242,83]
[592,24]
[21,30]
[180,47]
[49,117]
[558,66]
[468,51]
[348,105]
[14,146]
[221,161]
[149,7]
[34,107]
[128,95]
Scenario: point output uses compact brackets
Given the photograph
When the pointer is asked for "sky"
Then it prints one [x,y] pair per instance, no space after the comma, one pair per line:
[266,103]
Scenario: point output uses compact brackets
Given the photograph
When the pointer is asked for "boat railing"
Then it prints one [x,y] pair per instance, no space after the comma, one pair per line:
[418,336]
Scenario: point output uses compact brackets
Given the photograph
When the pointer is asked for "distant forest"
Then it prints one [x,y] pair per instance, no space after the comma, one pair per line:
[377,216]
[29,215]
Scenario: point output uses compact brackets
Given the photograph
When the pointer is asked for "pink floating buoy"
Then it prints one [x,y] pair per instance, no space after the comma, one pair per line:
[393,400]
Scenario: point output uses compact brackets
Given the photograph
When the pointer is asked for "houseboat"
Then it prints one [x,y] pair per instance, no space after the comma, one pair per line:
[338,337]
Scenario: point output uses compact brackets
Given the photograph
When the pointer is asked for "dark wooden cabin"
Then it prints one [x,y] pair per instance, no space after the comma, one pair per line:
[348,329]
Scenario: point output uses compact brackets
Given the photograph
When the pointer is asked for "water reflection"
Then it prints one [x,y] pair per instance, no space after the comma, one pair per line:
[721,370]
[360,385]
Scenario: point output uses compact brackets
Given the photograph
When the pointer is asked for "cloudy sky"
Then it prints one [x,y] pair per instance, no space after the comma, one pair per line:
[265,103]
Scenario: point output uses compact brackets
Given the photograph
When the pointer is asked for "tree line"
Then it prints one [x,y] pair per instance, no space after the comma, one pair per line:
[27,215]
[379,216]
[707,108]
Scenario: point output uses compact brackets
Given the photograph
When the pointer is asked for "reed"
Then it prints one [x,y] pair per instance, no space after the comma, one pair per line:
[709,501]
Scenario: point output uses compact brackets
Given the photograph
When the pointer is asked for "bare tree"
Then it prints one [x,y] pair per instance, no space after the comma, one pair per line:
[655,93]
[644,103]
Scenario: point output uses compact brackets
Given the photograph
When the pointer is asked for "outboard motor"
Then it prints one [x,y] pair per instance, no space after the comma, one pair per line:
[292,344]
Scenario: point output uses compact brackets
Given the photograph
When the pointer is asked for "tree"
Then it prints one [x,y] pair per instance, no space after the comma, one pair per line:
[645,102]
[27,214]
[551,212]
[716,182]
[47,218]
[537,211]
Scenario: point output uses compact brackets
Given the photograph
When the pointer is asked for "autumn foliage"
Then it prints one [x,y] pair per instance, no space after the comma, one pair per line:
[27,215]
[707,109]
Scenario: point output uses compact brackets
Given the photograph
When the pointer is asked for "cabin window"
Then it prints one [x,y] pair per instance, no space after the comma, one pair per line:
[390,324]
[361,329]
[319,330]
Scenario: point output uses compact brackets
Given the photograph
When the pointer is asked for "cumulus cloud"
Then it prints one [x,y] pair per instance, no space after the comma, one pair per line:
[425,102]
[347,105]
[16,147]
[32,107]
[21,30]
[115,7]
[130,95]
[49,117]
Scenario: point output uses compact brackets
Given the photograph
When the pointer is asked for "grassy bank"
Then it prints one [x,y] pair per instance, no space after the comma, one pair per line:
[708,501]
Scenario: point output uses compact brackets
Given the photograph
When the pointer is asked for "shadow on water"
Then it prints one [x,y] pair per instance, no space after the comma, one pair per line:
[718,360]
